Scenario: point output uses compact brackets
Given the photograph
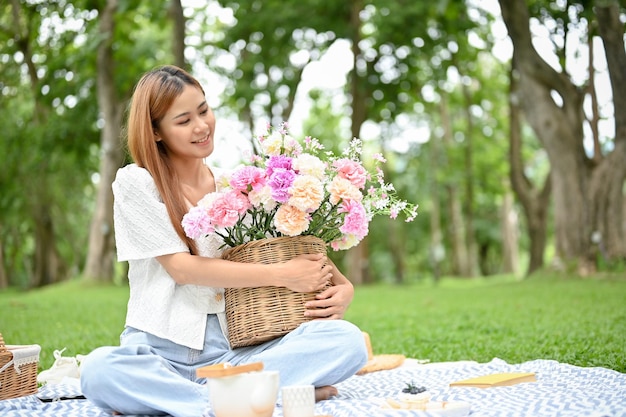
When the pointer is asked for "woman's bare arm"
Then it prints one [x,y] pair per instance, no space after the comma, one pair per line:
[305,273]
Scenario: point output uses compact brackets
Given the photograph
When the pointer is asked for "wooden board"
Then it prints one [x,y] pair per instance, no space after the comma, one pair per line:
[225,369]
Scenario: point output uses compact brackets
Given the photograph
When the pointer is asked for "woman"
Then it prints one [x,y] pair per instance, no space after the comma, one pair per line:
[175,320]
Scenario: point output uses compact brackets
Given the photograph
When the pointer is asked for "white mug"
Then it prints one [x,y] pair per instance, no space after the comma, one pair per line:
[298,401]
[250,394]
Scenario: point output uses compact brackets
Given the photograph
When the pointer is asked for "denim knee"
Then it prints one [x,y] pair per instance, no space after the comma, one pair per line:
[346,336]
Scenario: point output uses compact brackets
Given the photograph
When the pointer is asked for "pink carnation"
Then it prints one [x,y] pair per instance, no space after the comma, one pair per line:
[196,223]
[226,209]
[280,181]
[278,162]
[352,171]
[247,178]
[355,222]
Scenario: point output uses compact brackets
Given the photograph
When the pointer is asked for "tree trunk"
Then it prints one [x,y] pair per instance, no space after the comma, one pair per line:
[178,40]
[437,249]
[609,181]
[534,202]
[460,263]
[47,262]
[587,197]
[470,237]
[101,254]
[457,233]
[509,227]
[47,268]
[4,281]
[358,263]
[595,112]
[396,240]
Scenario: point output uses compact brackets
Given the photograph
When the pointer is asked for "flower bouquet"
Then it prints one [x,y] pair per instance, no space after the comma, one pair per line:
[292,198]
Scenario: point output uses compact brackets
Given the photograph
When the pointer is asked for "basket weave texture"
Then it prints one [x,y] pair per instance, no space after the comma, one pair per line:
[18,370]
[258,314]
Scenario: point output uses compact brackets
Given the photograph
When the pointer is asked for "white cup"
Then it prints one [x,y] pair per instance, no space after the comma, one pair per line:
[249,394]
[298,401]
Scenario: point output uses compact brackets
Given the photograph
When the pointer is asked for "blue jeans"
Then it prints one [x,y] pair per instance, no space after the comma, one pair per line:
[154,376]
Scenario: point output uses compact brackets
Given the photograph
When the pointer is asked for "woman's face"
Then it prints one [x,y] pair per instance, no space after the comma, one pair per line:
[188,127]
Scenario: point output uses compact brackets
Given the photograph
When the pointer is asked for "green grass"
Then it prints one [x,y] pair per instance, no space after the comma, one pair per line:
[73,315]
[581,322]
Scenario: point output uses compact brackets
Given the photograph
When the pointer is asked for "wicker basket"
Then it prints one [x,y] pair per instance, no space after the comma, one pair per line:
[18,370]
[258,314]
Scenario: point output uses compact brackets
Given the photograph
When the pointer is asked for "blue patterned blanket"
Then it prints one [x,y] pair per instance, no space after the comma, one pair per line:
[561,390]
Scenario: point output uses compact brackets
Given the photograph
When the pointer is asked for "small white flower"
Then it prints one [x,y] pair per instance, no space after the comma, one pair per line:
[381,204]
[272,145]
[309,164]
[291,145]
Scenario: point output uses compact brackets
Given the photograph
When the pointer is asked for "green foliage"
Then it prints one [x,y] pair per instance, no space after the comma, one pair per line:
[142,41]
[51,122]
[325,122]
[264,40]
[581,322]
[415,61]
[48,114]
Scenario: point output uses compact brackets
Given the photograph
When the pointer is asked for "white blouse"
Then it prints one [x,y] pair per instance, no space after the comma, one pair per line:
[143,231]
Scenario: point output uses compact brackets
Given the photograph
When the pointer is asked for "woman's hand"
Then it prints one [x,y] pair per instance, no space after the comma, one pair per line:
[333,302]
[305,273]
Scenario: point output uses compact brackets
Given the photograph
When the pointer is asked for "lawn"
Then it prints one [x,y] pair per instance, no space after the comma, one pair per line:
[581,322]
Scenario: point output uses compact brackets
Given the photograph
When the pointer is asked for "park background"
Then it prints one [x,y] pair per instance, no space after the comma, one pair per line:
[505,121]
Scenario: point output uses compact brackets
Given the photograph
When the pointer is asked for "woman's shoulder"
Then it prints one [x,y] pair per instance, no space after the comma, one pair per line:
[133,174]
[132,178]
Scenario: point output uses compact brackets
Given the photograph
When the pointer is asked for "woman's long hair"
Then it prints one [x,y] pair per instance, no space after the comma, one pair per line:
[154,94]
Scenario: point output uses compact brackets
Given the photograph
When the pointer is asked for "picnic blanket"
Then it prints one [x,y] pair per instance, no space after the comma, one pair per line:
[561,390]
